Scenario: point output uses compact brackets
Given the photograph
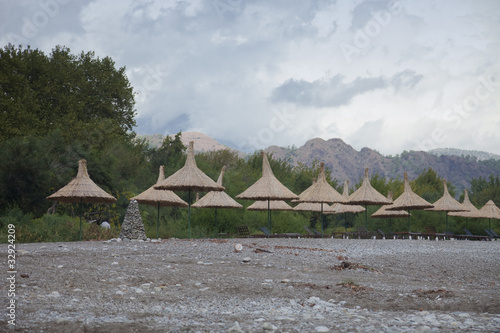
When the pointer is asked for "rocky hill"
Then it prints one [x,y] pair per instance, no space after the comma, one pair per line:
[202,142]
[348,163]
[474,154]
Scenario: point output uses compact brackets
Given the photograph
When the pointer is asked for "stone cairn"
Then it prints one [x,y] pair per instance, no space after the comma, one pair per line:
[132,226]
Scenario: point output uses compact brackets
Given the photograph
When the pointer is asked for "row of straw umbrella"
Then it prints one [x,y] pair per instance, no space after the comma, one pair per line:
[270,194]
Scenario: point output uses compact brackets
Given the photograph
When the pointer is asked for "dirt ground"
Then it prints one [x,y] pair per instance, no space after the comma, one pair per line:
[206,285]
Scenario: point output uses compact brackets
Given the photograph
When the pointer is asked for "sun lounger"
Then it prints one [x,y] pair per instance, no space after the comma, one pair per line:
[430,232]
[492,233]
[361,233]
[384,235]
[312,233]
[470,236]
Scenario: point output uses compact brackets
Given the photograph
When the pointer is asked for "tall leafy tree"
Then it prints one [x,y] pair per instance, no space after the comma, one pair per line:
[86,97]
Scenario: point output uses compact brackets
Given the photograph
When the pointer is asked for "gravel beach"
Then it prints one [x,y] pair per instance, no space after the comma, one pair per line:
[270,285]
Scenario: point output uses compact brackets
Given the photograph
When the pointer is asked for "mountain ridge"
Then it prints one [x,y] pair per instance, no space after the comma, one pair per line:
[345,162]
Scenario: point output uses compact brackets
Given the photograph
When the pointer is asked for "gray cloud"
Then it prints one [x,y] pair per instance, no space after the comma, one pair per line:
[334,92]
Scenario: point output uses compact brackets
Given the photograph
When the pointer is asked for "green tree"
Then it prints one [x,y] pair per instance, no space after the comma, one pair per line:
[84,96]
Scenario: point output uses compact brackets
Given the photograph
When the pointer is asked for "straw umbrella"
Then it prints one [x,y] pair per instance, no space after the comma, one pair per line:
[408,200]
[268,187]
[367,195]
[154,197]
[321,192]
[217,199]
[490,211]
[384,211]
[271,205]
[447,204]
[189,178]
[472,212]
[82,189]
[339,208]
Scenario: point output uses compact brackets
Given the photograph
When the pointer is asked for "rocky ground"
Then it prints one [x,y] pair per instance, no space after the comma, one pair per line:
[280,285]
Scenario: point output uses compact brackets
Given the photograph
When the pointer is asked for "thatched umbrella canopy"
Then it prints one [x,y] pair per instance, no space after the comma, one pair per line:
[321,192]
[472,212]
[447,204]
[366,195]
[270,205]
[189,178]
[339,208]
[82,189]
[490,211]
[217,199]
[384,211]
[163,198]
[268,187]
[313,207]
[408,200]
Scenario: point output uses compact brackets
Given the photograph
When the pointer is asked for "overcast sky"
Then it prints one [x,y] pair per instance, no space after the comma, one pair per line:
[389,75]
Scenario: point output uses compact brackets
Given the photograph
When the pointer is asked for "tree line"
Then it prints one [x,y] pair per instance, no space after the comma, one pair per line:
[59,108]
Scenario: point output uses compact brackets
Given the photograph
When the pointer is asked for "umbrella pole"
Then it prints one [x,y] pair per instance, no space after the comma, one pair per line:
[189,212]
[268,216]
[409,222]
[366,217]
[81,213]
[446,223]
[345,222]
[322,220]
[158,222]
[215,235]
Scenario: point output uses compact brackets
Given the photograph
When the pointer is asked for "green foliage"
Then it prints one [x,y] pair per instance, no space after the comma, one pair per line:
[84,96]
[483,190]
[51,228]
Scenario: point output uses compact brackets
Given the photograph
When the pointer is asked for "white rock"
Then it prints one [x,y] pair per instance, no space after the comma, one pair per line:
[246,259]
[321,329]
[105,225]
[114,263]
[238,247]
[235,328]
[268,327]
[54,294]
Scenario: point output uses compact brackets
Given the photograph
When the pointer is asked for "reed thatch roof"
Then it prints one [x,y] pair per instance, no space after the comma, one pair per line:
[154,197]
[490,211]
[321,190]
[339,208]
[367,195]
[82,189]
[268,187]
[472,212]
[408,200]
[273,205]
[383,212]
[189,177]
[217,199]
[447,203]
[313,207]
